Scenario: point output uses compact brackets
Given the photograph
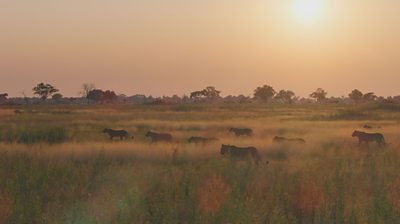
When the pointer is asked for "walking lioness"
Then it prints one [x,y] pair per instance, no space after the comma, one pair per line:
[369,137]
[116,133]
[241,153]
[159,137]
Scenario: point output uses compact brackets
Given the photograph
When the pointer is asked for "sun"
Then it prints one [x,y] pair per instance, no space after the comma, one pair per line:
[307,11]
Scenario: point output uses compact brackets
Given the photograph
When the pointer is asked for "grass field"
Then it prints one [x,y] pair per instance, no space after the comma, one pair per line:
[56,165]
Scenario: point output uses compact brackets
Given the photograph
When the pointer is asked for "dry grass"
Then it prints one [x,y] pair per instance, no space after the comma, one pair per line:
[309,195]
[85,178]
[6,206]
[212,194]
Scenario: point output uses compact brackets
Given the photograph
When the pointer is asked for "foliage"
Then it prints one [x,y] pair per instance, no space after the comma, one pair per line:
[100,96]
[209,93]
[369,96]
[264,93]
[44,90]
[3,98]
[86,88]
[285,96]
[356,95]
[319,95]
[57,97]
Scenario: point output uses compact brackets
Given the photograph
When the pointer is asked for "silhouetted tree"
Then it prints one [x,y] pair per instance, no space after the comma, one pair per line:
[57,97]
[285,95]
[196,95]
[110,96]
[209,93]
[3,98]
[86,88]
[319,95]
[96,95]
[185,99]
[382,99]
[44,90]
[264,93]
[100,96]
[370,96]
[356,95]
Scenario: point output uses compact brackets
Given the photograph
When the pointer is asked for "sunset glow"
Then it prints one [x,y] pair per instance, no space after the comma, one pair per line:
[199,111]
[307,11]
[159,48]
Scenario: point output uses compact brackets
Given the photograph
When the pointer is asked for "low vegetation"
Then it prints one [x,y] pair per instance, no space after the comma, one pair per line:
[56,165]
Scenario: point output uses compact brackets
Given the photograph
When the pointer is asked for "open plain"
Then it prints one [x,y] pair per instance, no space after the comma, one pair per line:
[56,165]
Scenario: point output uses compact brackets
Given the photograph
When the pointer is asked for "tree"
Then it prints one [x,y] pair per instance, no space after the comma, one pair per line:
[3,98]
[86,88]
[44,90]
[285,95]
[209,93]
[110,96]
[356,95]
[319,95]
[196,95]
[57,97]
[96,95]
[370,96]
[100,96]
[264,93]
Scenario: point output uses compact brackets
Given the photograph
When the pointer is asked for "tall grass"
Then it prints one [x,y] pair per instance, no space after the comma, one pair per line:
[32,135]
[344,188]
[85,178]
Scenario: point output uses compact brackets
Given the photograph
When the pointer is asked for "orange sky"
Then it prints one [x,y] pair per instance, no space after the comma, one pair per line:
[161,47]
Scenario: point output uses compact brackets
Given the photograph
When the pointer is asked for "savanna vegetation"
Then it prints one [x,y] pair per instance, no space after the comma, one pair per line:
[56,165]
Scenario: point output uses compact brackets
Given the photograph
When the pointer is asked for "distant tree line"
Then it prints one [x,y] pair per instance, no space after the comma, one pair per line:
[358,97]
[266,94]
[100,96]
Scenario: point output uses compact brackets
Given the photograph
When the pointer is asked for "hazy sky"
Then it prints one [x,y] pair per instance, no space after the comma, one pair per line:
[163,47]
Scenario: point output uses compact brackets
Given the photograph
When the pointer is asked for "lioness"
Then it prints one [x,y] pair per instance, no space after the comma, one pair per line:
[117,133]
[241,153]
[369,137]
[283,139]
[241,131]
[203,140]
[159,137]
